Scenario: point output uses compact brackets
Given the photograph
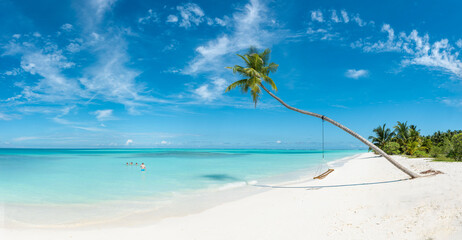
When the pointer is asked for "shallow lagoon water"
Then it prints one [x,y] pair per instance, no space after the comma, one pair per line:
[60,177]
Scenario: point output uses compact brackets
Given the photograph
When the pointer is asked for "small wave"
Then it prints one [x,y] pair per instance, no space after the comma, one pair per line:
[236,185]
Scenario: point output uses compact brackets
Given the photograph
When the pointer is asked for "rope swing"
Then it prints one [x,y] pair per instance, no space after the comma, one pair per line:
[323,175]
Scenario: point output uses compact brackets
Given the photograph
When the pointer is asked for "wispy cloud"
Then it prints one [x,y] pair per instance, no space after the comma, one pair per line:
[452,102]
[191,14]
[67,27]
[4,116]
[249,28]
[172,19]
[251,25]
[212,90]
[415,49]
[459,43]
[317,16]
[149,18]
[104,115]
[20,139]
[47,60]
[353,73]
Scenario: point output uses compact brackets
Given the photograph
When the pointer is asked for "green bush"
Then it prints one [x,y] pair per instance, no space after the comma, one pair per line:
[420,153]
[456,151]
[443,149]
[392,148]
[435,151]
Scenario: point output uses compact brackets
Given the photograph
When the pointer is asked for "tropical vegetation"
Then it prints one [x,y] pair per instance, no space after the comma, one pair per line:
[255,75]
[406,139]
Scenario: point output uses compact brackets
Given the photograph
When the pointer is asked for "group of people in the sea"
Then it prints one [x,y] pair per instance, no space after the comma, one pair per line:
[142,166]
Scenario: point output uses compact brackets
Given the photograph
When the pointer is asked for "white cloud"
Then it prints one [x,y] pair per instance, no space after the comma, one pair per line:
[459,43]
[278,141]
[321,34]
[151,17]
[102,6]
[345,17]
[111,80]
[20,139]
[163,142]
[452,102]
[418,50]
[190,14]
[317,16]
[249,29]
[172,19]
[223,21]
[67,27]
[129,142]
[104,115]
[6,117]
[211,91]
[13,72]
[359,21]
[47,62]
[73,47]
[335,17]
[353,73]
[16,36]
[13,98]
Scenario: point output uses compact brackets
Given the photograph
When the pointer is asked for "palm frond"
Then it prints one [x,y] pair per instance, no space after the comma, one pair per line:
[270,82]
[236,84]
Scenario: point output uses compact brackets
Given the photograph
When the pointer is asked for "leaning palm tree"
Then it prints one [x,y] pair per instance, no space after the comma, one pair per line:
[255,73]
[382,136]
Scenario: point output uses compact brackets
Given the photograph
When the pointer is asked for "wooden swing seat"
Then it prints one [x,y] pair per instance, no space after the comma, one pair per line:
[324,174]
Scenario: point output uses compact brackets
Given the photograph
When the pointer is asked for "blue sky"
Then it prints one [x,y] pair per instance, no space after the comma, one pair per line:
[119,73]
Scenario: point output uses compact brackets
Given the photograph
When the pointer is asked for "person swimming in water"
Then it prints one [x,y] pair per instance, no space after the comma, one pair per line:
[127,163]
[131,163]
[143,167]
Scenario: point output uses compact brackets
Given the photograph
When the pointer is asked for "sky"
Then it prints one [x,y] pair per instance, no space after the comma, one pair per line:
[151,74]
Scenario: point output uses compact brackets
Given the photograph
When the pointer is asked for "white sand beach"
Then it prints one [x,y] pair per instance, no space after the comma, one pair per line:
[423,208]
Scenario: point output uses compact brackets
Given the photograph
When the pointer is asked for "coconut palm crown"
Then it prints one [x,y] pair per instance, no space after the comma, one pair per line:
[255,71]
[383,136]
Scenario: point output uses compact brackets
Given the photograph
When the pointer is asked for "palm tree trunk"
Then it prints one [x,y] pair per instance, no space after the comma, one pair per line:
[369,144]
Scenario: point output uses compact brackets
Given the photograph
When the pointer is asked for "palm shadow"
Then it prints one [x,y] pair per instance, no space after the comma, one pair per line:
[220,177]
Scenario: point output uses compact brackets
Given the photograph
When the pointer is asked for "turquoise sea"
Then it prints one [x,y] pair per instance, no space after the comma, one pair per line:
[86,177]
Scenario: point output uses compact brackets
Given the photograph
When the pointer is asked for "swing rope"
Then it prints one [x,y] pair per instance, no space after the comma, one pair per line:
[323,175]
[322,138]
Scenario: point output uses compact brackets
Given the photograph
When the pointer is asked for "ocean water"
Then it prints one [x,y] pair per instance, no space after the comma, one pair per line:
[86,177]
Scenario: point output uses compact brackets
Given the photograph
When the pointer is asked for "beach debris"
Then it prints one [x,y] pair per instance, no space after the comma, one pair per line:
[431,172]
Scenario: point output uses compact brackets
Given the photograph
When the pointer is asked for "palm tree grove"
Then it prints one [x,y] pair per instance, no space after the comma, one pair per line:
[406,140]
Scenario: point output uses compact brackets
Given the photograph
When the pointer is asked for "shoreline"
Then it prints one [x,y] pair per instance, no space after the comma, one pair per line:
[422,208]
[157,209]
